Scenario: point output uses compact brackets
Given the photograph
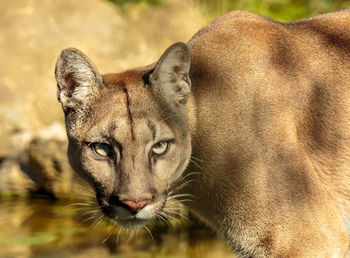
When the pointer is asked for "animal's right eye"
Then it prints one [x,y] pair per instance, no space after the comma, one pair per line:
[102,149]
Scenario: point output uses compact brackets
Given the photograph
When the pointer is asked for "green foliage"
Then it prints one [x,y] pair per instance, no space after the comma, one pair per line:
[281,10]
[123,2]
[41,238]
[35,238]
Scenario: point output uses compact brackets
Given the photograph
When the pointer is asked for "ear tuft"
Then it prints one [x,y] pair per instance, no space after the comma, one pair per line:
[77,78]
[171,73]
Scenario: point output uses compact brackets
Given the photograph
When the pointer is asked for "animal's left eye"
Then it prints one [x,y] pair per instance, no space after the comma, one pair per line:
[102,149]
[160,147]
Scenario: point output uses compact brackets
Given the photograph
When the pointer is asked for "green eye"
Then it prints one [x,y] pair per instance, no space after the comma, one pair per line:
[160,148]
[102,149]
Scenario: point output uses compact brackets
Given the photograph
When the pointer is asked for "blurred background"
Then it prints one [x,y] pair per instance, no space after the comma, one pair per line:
[45,210]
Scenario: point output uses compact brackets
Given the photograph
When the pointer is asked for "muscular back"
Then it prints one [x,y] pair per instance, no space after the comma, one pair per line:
[262,109]
[278,116]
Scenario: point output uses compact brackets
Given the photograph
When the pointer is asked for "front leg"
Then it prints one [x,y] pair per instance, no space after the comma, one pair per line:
[286,212]
[296,238]
[303,223]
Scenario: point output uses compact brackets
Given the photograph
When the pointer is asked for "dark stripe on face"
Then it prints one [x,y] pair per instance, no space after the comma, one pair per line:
[129,114]
[111,128]
[152,127]
[150,162]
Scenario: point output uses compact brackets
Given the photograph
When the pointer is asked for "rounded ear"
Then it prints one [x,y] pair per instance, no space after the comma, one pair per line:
[77,78]
[170,76]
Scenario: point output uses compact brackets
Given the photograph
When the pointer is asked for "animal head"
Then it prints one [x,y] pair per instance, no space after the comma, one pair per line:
[128,132]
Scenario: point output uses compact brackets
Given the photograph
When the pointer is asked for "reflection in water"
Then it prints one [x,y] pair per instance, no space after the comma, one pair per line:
[44,228]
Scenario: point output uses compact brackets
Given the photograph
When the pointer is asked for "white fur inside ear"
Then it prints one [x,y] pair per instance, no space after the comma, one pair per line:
[85,79]
[170,75]
[77,78]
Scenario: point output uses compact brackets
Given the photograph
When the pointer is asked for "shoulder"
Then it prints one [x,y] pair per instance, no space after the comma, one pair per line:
[236,25]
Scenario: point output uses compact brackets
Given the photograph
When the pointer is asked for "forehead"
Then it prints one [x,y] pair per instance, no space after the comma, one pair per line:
[125,105]
[125,94]
[127,79]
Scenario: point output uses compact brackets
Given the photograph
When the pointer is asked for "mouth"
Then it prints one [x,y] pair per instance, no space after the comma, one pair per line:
[121,216]
[124,218]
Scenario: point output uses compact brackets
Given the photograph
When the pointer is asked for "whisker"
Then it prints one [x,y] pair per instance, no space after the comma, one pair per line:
[136,234]
[178,214]
[191,174]
[81,208]
[181,186]
[163,215]
[195,158]
[149,232]
[85,220]
[86,197]
[84,184]
[109,235]
[162,218]
[173,208]
[196,164]
[120,229]
[98,221]
[79,204]
[184,200]
[89,212]
[130,236]
[184,181]
[173,218]
[178,188]
[81,182]
[180,195]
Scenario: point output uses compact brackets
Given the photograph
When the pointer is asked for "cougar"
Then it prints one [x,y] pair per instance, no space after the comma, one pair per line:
[253,114]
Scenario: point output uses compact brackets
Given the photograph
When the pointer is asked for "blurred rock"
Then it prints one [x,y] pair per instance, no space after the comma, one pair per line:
[20,140]
[39,164]
[48,165]
[14,181]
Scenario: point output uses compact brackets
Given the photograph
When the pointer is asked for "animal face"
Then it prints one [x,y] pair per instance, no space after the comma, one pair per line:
[128,133]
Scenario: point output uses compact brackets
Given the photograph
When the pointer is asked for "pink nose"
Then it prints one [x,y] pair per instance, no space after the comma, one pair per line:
[135,206]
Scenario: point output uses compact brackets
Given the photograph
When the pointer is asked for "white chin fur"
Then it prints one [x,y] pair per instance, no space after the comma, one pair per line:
[146,213]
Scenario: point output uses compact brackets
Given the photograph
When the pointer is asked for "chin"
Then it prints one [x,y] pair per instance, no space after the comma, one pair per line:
[132,223]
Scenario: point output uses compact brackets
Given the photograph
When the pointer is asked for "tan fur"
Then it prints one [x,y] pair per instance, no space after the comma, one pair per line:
[268,118]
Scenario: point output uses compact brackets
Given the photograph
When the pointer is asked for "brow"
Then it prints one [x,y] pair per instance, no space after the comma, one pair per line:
[102,133]
[152,127]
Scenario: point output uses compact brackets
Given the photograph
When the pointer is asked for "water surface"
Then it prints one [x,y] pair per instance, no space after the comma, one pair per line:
[47,228]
